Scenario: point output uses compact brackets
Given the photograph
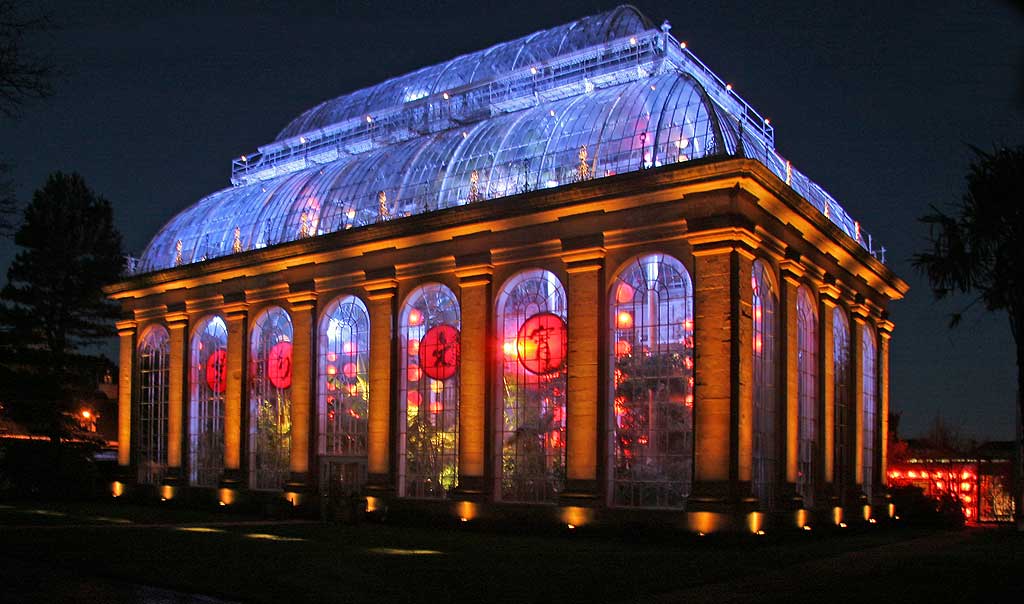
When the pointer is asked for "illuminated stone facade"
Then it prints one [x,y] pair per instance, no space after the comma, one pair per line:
[618,345]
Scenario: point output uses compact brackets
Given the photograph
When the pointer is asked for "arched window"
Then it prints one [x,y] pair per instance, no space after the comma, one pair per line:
[841,374]
[207,383]
[270,400]
[764,302]
[343,383]
[651,352]
[807,393]
[869,401]
[151,426]
[530,317]
[429,328]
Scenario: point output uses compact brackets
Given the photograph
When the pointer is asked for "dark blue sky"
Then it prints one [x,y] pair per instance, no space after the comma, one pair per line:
[875,101]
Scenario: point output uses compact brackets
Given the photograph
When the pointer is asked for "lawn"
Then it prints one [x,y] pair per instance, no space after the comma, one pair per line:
[246,560]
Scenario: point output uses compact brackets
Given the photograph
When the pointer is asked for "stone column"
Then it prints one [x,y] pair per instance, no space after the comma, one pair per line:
[476,358]
[235,317]
[584,261]
[126,337]
[828,295]
[381,296]
[723,384]
[860,317]
[885,328]
[303,310]
[789,391]
[177,324]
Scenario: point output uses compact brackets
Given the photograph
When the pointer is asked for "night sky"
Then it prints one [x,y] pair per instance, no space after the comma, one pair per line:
[877,102]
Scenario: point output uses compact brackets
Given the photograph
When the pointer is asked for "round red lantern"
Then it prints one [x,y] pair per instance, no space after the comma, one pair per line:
[542,343]
[439,352]
[216,369]
[279,365]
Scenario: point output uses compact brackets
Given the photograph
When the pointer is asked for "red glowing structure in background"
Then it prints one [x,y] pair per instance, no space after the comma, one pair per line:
[982,486]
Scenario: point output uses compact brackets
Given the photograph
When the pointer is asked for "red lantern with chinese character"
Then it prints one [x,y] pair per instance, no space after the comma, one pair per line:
[279,365]
[439,352]
[216,367]
[542,343]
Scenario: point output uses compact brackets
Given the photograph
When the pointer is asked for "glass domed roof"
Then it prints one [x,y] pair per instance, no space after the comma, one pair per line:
[603,95]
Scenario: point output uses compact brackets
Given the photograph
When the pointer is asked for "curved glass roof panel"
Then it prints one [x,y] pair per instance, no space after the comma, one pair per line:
[498,59]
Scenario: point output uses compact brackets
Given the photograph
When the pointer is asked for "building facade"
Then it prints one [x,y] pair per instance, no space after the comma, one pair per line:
[566,276]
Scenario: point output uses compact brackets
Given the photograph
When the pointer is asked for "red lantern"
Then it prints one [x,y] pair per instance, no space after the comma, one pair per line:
[279,365]
[216,367]
[439,352]
[413,399]
[349,370]
[542,343]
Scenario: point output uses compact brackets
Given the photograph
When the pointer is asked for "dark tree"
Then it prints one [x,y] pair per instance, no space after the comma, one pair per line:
[977,249]
[23,74]
[53,311]
[8,203]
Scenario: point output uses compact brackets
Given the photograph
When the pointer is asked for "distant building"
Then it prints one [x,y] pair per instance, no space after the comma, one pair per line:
[981,480]
[569,271]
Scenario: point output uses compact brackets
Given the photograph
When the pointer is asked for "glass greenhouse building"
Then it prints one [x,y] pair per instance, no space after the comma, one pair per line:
[569,271]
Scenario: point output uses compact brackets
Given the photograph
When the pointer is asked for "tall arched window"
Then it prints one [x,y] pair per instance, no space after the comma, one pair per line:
[841,375]
[651,352]
[343,383]
[764,302]
[207,383]
[151,426]
[807,393]
[429,329]
[270,402]
[869,401]
[530,424]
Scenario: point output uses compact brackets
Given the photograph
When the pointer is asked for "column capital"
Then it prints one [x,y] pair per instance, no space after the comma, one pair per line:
[792,271]
[302,301]
[176,320]
[860,313]
[829,293]
[236,311]
[126,327]
[714,241]
[583,254]
[885,328]
[474,269]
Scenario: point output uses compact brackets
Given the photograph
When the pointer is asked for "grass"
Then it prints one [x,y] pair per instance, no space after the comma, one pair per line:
[197,552]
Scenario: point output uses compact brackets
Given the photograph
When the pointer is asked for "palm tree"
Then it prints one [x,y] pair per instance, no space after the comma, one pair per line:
[978,249]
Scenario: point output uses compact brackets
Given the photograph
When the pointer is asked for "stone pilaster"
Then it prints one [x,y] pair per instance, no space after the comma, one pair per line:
[177,325]
[126,339]
[235,317]
[723,385]
[860,318]
[885,329]
[381,295]
[584,262]
[303,309]
[789,385]
[828,296]
[475,283]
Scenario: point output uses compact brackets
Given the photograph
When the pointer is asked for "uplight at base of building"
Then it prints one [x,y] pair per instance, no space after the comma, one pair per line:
[117,488]
[575,516]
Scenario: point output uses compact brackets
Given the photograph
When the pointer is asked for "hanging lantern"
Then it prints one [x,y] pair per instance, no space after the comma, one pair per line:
[624,320]
[413,399]
[439,352]
[415,373]
[415,317]
[279,365]
[623,348]
[542,343]
[349,370]
[624,293]
[216,367]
